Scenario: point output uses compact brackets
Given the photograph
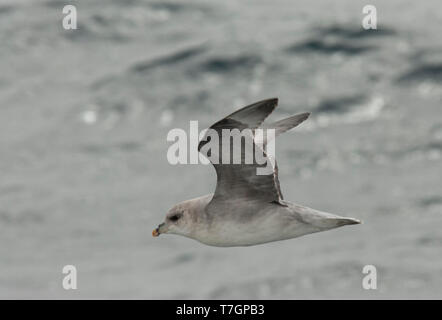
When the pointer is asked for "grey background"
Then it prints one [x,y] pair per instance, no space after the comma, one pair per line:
[84,116]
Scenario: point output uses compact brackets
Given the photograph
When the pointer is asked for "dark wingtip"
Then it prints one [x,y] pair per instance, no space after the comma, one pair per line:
[254,114]
[303,116]
[271,102]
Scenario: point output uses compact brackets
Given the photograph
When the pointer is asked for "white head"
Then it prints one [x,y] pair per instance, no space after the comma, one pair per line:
[181,219]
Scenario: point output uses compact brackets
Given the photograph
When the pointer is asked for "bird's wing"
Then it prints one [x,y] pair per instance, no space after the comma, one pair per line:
[241,181]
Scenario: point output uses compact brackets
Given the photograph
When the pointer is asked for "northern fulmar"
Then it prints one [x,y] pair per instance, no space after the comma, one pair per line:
[247,208]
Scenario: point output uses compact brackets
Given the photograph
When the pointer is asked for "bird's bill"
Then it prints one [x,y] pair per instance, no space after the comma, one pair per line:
[158,230]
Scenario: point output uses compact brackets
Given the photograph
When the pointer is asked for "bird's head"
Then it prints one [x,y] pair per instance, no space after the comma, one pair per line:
[178,221]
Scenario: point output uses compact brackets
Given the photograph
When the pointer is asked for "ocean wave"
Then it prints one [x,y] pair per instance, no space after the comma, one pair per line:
[352,32]
[426,72]
[21,217]
[6,9]
[228,64]
[430,201]
[324,47]
[178,6]
[340,104]
[116,23]
[348,40]
[170,59]
[346,110]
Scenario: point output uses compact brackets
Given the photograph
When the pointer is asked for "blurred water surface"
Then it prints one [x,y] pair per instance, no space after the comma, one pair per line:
[84,116]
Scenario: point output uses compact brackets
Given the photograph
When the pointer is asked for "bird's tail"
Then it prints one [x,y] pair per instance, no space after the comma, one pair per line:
[322,220]
[326,223]
[342,221]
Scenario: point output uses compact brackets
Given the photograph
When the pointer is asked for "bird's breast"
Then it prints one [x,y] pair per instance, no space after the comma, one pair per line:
[246,232]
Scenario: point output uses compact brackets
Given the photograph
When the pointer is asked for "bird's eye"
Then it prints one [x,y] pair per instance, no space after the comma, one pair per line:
[175,217]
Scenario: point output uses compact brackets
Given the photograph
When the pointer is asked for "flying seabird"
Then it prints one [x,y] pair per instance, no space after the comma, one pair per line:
[247,208]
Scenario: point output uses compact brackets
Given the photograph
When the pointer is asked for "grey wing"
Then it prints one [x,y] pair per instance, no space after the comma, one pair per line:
[283,125]
[241,181]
